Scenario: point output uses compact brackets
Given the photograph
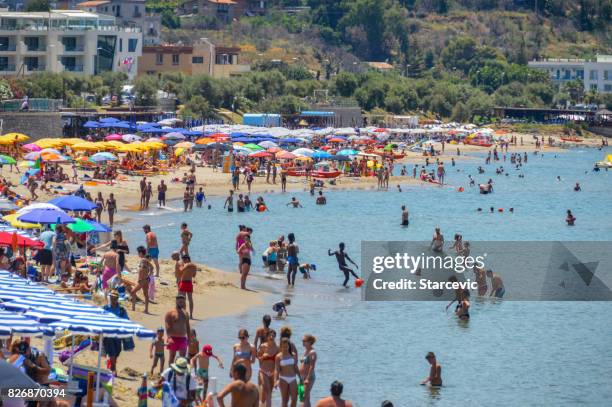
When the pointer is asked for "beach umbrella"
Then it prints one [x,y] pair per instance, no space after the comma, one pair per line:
[130,138]
[103,157]
[6,205]
[339,158]
[218,146]
[31,147]
[267,144]
[89,124]
[174,136]
[347,152]
[73,203]
[12,377]
[15,291]
[260,154]
[14,239]
[153,140]
[204,140]
[38,205]
[303,151]
[336,140]
[12,220]
[129,148]
[253,147]
[274,150]
[113,137]
[318,155]
[79,226]
[303,158]
[46,216]
[26,164]
[185,144]
[16,137]
[33,156]
[109,120]
[5,159]
[18,325]
[285,155]
[99,227]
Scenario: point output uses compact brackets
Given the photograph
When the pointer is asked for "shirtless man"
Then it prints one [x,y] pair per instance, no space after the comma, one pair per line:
[244,393]
[185,286]
[405,215]
[341,258]
[161,194]
[229,202]
[295,203]
[435,373]
[143,189]
[152,247]
[497,285]
[145,269]
[177,266]
[177,328]
[292,259]
[321,200]
[437,242]
[186,236]
[334,400]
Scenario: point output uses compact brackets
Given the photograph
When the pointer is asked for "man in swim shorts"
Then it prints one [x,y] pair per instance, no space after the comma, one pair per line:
[185,286]
[405,214]
[177,326]
[497,285]
[152,247]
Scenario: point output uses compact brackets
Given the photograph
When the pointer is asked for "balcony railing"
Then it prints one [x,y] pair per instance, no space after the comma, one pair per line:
[137,14]
[36,68]
[74,48]
[70,28]
[73,68]
[36,48]
[7,68]
[10,47]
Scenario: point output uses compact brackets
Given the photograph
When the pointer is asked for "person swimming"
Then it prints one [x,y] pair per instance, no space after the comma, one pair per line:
[577,187]
[497,285]
[570,219]
[463,306]
[295,203]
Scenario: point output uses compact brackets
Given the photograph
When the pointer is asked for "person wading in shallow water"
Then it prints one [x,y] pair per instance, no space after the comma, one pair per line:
[341,258]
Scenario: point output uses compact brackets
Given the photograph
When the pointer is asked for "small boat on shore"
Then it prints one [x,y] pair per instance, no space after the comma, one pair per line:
[572,139]
[314,174]
[477,142]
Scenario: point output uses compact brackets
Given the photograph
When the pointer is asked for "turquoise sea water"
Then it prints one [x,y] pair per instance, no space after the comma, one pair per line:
[510,353]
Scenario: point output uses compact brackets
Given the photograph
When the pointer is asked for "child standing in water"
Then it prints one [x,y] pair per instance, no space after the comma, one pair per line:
[200,362]
[156,352]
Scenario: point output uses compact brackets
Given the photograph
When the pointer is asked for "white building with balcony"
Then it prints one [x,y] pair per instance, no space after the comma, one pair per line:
[66,41]
[596,74]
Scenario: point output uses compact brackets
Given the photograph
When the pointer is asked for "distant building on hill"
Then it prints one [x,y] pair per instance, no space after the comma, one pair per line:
[128,13]
[203,57]
[224,10]
[66,41]
[596,74]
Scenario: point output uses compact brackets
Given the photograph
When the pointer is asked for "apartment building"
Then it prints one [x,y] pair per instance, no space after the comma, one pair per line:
[66,41]
[203,57]
[596,74]
[128,13]
[224,10]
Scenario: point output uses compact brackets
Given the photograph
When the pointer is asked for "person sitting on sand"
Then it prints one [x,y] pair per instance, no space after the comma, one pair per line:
[435,373]
[335,400]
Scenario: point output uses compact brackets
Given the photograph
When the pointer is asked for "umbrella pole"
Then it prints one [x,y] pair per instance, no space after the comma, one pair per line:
[71,355]
[99,365]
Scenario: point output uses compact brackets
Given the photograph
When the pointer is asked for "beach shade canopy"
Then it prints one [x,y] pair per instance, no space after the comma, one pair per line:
[31,147]
[105,324]
[339,158]
[204,140]
[319,154]
[103,157]
[46,216]
[18,325]
[91,125]
[174,136]
[109,120]
[12,220]
[303,151]
[6,205]
[218,146]
[38,205]
[5,159]
[73,203]
[289,140]
[253,147]
[336,140]
[285,155]
[260,154]
[12,377]
[15,239]
[267,144]
[16,137]
[13,292]
[99,227]
[47,312]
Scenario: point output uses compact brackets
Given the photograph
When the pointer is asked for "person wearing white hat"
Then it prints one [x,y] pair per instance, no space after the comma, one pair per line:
[178,376]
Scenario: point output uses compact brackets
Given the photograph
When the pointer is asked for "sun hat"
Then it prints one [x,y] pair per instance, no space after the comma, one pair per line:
[180,365]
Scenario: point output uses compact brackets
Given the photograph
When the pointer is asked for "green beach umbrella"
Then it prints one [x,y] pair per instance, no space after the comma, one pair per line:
[5,159]
[253,147]
[388,147]
[79,226]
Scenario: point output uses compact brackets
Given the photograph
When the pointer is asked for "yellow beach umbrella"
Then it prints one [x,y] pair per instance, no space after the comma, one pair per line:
[184,144]
[85,146]
[128,148]
[303,158]
[5,141]
[71,141]
[153,145]
[17,137]
[16,223]
[179,151]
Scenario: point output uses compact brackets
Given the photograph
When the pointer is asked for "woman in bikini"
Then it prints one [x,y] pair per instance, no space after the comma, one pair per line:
[111,207]
[244,353]
[287,373]
[307,367]
[99,207]
[267,356]
[244,252]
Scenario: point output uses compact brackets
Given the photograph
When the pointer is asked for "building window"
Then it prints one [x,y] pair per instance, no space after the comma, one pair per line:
[175,59]
[558,74]
[608,88]
[132,44]
[197,60]
[607,75]
[4,63]
[159,59]
[593,75]
[594,86]
[120,44]
[567,74]
[580,74]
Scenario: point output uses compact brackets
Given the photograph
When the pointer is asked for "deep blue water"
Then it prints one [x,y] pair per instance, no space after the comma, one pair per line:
[511,353]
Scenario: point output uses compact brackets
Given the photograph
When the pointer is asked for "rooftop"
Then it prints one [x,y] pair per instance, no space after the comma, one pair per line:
[93,3]
[222,1]
[53,14]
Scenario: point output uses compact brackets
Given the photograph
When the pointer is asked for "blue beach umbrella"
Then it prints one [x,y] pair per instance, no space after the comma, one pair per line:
[73,203]
[46,216]
[99,227]
[91,125]
[319,154]
[109,120]
[105,324]
[103,157]
[12,324]
[347,152]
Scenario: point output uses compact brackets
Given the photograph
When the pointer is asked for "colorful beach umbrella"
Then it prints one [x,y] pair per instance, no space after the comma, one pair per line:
[16,137]
[260,154]
[130,138]
[73,203]
[17,240]
[347,152]
[184,144]
[5,159]
[204,140]
[31,147]
[174,136]
[285,155]
[113,137]
[46,216]
[79,226]
[103,157]
[99,227]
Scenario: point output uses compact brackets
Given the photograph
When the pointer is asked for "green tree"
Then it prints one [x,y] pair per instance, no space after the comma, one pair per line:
[37,5]
[575,90]
[5,90]
[345,84]
[459,54]
[198,107]
[145,88]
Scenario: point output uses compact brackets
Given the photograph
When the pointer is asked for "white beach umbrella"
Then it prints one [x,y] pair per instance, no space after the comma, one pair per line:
[41,205]
[307,152]
[267,144]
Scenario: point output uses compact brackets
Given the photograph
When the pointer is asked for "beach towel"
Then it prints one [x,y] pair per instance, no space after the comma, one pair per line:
[152,289]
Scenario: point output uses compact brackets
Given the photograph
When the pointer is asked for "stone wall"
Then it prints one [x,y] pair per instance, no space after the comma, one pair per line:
[34,124]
